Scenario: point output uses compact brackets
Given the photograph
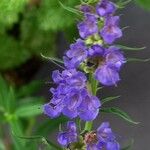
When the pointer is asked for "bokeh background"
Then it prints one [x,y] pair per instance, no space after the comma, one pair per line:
[29,28]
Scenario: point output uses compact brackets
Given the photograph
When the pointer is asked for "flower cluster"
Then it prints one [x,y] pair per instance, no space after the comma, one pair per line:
[71,97]
[92,54]
[98,30]
[69,136]
[102,138]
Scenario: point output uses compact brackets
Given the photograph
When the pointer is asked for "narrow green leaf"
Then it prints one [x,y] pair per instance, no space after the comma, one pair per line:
[3,93]
[10,100]
[120,113]
[130,48]
[137,60]
[122,3]
[72,10]
[108,99]
[28,101]
[16,128]
[49,125]
[2,146]
[29,89]
[29,111]
[43,139]
[53,59]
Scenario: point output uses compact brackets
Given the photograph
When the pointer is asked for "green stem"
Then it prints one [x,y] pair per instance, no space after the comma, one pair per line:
[94,84]
[88,126]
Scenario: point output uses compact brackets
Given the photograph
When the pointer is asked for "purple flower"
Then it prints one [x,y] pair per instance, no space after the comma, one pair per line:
[69,136]
[56,76]
[114,57]
[107,75]
[105,8]
[76,54]
[53,109]
[109,65]
[89,107]
[89,26]
[103,138]
[96,50]
[71,97]
[72,103]
[86,8]
[111,31]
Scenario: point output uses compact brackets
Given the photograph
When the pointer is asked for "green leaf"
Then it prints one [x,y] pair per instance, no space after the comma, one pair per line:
[9,11]
[50,15]
[72,10]
[3,93]
[2,146]
[144,3]
[34,39]
[29,89]
[53,59]
[29,110]
[137,60]
[122,3]
[120,113]
[13,52]
[43,139]
[16,128]
[28,101]
[130,48]
[7,97]
[108,99]
[10,100]
[49,125]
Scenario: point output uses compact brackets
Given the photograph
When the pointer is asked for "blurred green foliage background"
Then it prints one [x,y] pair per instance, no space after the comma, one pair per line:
[30,27]
[27,29]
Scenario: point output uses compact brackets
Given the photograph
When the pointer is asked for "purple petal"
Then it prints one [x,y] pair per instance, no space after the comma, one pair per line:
[63,139]
[52,110]
[107,75]
[113,146]
[105,8]
[88,26]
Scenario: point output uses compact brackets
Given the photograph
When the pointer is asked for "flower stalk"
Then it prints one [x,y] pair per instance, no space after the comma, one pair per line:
[91,60]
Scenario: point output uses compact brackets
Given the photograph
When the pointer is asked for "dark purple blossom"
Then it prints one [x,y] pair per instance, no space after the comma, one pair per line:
[107,75]
[95,51]
[76,54]
[54,108]
[72,102]
[86,8]
[89,107]
[105,7]
[114,57]
[108,62]
[111,31]
[72,78]
[89,26]
[69,136]
[103,138]
[71,97]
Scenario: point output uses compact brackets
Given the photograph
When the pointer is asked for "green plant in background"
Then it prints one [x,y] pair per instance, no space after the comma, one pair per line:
[18,111]
[30,27]
[144,3]
[16,117]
